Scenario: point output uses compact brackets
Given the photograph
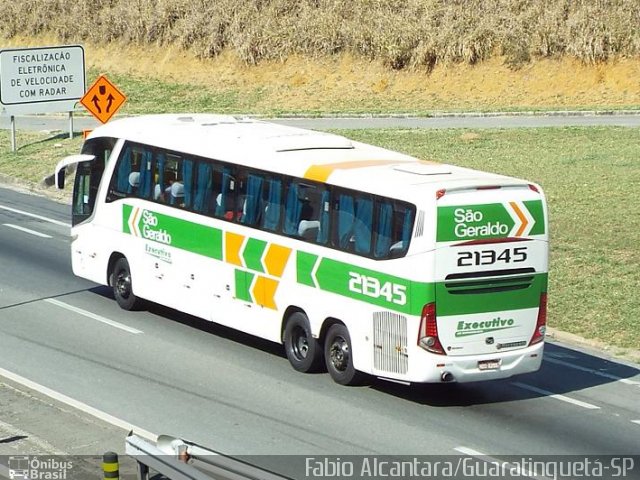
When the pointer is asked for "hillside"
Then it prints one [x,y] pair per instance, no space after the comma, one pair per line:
[420,56]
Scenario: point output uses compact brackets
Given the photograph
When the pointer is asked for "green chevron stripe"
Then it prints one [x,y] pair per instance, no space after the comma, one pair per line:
[243,285]
[252,254]
[305,263]
[126,213]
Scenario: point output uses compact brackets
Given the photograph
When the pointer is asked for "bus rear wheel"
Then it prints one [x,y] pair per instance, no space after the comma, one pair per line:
[303,351]
[338,356]
[122,285]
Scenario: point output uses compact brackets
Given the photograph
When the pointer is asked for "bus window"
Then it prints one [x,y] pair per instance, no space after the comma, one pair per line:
[402,228]
[253,202]
[305,212]
[225,198]
[345,211]
[132,174]
[272,202]
[354,223]
[168,179]
[203,187]
[384,229]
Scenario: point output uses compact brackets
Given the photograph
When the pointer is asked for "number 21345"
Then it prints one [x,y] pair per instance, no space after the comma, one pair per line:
[371,287]
[489,257]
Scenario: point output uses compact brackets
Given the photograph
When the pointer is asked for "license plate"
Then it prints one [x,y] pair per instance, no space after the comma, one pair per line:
[489,365]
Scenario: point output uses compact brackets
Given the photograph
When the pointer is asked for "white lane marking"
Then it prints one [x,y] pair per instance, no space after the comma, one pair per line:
[636,422]
[91,315]
[33,215]
[470,451]
[591,370]
[77,404]
[27,230]
[557,396]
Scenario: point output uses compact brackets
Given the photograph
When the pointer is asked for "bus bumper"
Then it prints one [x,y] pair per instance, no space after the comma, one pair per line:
[477,368]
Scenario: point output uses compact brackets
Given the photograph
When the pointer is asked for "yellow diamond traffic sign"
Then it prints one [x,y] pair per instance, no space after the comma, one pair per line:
[103,99]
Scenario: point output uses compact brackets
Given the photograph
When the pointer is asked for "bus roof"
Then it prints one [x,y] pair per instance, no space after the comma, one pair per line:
[295,151]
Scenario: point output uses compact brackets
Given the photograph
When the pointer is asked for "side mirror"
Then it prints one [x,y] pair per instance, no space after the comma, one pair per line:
[65,162]
[60,178]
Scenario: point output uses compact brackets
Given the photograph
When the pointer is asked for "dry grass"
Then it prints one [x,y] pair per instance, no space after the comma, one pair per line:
[346,83]
[399,33]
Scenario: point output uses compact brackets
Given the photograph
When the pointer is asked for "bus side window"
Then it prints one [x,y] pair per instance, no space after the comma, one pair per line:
[383,229]
[144,175]
[182,190]
[363,223]
[354,223]
[123,180]
[203,187]
[253,199]
[225,199]
[402,228]
[272,204]
[307,212]
[344,214]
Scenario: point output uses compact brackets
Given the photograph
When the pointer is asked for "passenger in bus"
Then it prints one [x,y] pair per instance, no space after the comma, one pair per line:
[165,195]
[177,194]
[229,212]
[158,193]
[134,182]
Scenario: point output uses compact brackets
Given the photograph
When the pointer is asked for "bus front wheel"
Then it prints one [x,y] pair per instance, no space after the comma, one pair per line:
[338,356]
[123,286]
[303,351]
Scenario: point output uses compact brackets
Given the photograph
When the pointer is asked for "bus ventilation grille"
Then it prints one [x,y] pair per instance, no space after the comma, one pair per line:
[419,225]
[390,342]
[491,281]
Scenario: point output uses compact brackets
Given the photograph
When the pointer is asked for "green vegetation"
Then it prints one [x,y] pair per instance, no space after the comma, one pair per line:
[590,177]
[37,155]
[156,96]
[400,33]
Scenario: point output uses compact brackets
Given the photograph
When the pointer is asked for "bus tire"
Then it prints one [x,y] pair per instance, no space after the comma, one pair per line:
[338,356]
[122,285]
[303,351]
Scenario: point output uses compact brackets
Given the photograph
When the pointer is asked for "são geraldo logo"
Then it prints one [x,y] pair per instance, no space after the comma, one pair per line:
[465,216]
[511,219]
[143,223]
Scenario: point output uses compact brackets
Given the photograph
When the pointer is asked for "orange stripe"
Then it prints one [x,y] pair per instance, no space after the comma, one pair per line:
[321,173]
[276,259]
[522,218]
[134,224]
[232,245]
[264,291]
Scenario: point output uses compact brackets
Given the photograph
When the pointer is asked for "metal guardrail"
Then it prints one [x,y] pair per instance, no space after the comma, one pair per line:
[179,459]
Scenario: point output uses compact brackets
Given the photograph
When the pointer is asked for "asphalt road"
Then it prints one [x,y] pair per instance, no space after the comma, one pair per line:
[559,119]
[169,373]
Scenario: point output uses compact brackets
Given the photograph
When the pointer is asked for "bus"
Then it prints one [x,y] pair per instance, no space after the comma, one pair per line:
[359,260]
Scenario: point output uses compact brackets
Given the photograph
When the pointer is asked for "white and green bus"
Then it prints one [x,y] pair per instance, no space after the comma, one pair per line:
[358,259]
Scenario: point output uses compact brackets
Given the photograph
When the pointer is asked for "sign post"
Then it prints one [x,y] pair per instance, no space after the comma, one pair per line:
[13,133]
[41,80]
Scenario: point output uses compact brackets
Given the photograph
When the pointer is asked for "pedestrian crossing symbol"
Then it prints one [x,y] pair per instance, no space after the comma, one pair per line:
[103,99]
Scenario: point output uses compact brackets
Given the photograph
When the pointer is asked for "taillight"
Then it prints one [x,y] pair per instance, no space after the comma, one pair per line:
[428,333]
[541,324]
[440,193]
[534,188]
